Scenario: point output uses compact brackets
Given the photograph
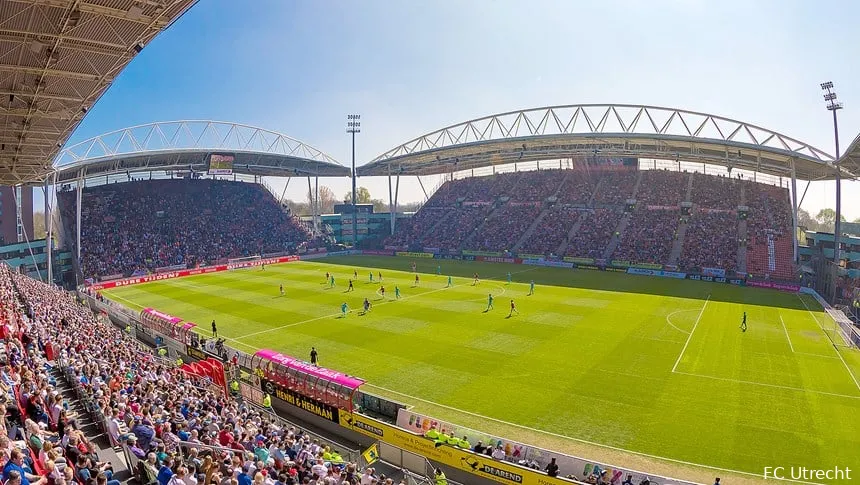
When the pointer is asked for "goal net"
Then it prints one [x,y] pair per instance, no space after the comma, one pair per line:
[246,262]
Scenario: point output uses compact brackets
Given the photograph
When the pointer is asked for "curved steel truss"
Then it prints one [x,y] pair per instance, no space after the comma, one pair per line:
[189,135]
[598,127]
[184,145]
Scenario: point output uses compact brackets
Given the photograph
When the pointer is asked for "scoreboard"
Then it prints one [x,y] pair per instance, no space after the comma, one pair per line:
[221,164]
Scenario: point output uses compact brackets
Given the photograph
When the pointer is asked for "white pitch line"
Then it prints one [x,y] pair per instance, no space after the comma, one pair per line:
[776,386]
[690,336]
[786,333]
[838,353]
[336,314]
[578,440]
[673,325]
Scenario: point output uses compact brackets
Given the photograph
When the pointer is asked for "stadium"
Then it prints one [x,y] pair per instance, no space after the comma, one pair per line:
[610,294]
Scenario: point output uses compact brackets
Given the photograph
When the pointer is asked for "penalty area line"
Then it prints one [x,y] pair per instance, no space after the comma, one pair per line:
[578,440]
[690,335]
[786,333]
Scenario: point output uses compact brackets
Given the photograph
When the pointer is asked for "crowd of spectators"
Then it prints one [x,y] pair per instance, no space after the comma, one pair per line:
[182,432]
[505,227]
[616,187]
[578,188]
[594,234]
[649,237]
[711,241]
[457,225]
[769,247]
[141,226]
[551,231]
[536,186]
[716,192]
[663,188]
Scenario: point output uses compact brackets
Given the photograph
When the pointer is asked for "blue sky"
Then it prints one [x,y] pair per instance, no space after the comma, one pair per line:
[298,67]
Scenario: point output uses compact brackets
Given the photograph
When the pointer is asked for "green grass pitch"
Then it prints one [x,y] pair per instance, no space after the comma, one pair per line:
[650,365]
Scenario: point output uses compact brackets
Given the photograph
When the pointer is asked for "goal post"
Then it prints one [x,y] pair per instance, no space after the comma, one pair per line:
[242,263]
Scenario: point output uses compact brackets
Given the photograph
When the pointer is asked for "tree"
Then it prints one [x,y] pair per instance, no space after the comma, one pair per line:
[327,200]
[362,196]
[39,229]
[827,219]
[804,219]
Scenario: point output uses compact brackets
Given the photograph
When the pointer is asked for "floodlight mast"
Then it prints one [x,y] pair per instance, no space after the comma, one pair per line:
[834,106]
[353,126]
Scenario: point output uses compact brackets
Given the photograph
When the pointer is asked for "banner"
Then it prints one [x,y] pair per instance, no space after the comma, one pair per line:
[477,204]
[648,265]
[195,353]
[410,254]
[530,256]
[661,207]
[716,279]
[587,266]
[774,286]
[516,452]
[552,264]
[498,259]
[620,263]
[187,272]
[656,272]
[467,461]
[165,269]
[571,259]
[288,396]
[371,454]
[720,272]
[469,252]
[378,252]
[432,250]
[251,393]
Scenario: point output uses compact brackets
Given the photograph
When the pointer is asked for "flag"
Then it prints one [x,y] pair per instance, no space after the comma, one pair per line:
[371,454]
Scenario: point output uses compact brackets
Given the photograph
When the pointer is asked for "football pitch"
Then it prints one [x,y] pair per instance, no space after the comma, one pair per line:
[612,367]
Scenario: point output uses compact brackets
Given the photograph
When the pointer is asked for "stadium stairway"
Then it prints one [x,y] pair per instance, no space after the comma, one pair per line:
[573,230]
[689,196]
[94,431]
[636,187]
[678,244]
[742,235]
[594,194]
[619,230]
[742,248]
[526,235]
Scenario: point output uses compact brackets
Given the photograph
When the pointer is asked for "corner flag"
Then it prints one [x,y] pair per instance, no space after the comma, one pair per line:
[371,454]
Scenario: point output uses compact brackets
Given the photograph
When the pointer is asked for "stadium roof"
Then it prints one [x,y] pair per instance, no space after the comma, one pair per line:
[186,145]
[850,160]
[607,130]
[57,57]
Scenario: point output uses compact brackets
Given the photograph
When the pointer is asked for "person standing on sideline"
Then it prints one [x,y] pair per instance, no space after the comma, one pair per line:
[531,288]
[552,468]
[214,329]
[744,323]
[313,355]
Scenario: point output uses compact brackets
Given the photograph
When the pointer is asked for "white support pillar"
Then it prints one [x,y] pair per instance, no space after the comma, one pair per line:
[318,209]
[426,197]
[49,279]
[312,204]
[396,193]
[794,207]
[78,215]
[391,211]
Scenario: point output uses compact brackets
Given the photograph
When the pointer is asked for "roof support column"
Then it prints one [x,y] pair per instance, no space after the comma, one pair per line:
[79,196]
[318,209]
[47,195]
[311,204]
[390,200]
[422,188]
[794,208]
[396,192]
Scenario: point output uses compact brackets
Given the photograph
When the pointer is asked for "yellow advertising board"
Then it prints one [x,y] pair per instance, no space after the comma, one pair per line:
[480,465]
